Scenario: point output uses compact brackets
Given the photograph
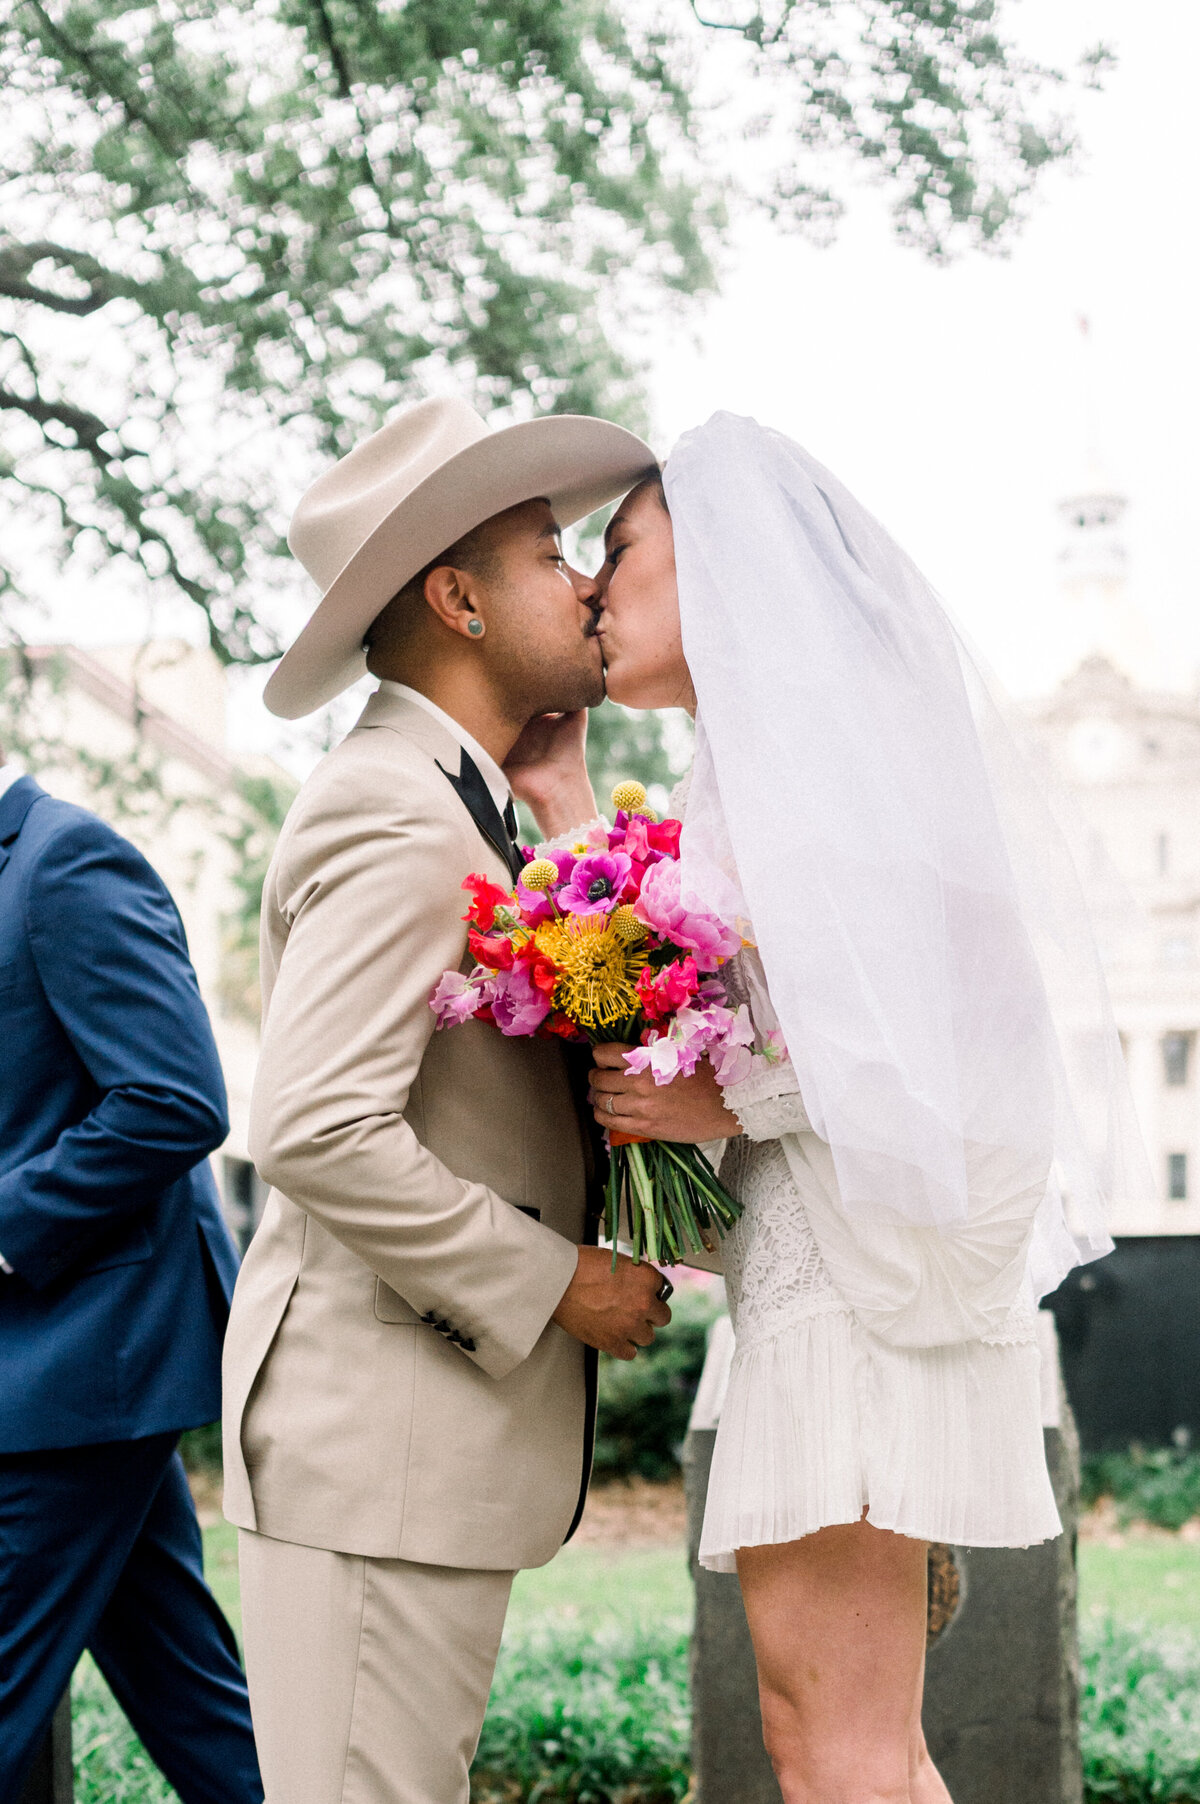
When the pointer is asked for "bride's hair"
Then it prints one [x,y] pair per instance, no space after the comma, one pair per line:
[655,482]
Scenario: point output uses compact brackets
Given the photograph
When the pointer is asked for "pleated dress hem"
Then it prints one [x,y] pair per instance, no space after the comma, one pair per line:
[822,1420]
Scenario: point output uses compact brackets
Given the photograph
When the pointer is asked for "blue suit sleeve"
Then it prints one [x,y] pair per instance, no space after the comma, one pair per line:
[112,958]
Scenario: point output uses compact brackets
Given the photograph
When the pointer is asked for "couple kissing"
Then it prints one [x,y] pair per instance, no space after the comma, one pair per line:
[410,1368]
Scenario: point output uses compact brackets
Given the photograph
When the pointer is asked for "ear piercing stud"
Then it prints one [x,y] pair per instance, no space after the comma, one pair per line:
[475,628]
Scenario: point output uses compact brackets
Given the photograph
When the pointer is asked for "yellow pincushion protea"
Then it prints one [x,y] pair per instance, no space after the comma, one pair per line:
[630,795]
[625,923]
[597,985]
[539,874]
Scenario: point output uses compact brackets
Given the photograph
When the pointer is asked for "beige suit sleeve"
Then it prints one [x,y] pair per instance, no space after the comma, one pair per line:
[371,900]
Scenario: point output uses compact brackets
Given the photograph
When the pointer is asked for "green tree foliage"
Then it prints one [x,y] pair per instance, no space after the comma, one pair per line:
[262,803]
[651,746]
[278,220]
[238,232]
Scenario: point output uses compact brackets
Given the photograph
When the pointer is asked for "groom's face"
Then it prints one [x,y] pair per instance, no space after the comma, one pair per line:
[540,615]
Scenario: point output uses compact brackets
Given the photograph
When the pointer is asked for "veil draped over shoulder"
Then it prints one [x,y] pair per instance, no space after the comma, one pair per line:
[859,804]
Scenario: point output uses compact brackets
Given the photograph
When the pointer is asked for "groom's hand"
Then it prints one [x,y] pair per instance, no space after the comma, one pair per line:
[616,1311]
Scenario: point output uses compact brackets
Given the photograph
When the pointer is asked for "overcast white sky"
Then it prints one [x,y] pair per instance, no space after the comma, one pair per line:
[951,399]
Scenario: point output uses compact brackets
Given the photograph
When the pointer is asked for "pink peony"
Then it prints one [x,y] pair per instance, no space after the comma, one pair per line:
[696,930]
[518,1006]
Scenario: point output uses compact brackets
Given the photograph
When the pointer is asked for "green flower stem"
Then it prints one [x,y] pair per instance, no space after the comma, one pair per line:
[645,1197]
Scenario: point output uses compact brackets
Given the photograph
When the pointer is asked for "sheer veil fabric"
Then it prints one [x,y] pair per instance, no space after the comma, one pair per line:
[859,804]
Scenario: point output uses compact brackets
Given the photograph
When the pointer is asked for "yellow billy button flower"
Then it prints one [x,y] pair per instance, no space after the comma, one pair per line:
[539,874]
[630,795]
[626,925]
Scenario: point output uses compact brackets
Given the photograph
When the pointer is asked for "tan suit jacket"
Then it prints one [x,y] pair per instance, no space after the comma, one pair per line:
[394,1385]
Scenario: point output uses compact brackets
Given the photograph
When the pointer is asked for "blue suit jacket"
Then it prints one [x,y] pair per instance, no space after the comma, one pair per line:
[111,1097]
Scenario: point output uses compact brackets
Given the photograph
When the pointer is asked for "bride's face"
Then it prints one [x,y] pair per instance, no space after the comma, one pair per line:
[639,603]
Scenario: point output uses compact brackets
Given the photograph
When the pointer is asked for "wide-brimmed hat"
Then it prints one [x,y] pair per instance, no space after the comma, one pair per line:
[403,496]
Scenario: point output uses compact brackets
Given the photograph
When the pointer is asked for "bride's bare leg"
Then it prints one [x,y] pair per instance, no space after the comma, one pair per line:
[838,1624]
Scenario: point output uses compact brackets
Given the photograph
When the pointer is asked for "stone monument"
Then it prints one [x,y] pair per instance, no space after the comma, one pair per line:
[1002,1685]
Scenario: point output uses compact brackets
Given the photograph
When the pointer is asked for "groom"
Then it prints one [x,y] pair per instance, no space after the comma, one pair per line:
[408,1387]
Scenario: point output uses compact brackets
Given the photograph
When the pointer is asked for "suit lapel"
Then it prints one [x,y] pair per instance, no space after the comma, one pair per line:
[403,716]
[477,798]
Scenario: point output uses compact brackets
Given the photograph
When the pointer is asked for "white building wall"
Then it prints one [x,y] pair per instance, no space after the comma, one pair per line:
[1131,759]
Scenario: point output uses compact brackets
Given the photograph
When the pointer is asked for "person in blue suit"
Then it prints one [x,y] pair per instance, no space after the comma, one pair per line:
[116,1271]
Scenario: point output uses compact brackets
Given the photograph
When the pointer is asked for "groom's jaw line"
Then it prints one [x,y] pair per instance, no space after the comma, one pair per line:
[537,653]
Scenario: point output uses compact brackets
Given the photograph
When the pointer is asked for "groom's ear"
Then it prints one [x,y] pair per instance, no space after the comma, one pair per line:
[453,597]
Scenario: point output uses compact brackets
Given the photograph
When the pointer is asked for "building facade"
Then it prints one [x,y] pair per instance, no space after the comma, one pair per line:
[1128,750]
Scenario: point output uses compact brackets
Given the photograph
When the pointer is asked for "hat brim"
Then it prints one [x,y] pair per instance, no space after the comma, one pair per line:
[577,463]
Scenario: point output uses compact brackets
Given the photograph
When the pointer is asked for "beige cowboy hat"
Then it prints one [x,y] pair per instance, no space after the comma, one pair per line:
[408,492]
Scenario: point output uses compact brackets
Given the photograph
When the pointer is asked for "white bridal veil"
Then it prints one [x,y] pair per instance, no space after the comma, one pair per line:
[860,804]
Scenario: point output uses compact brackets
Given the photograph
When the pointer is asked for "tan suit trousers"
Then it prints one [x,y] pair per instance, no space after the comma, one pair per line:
[368,1678]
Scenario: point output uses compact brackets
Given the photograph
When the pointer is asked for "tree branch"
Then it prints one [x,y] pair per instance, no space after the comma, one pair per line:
[88,428]
[18,260]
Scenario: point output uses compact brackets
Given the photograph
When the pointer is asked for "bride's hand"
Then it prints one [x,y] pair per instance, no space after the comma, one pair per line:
[548,772]
[688,1109]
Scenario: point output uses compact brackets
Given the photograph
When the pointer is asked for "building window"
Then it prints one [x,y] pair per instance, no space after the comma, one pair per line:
[1177,1177]
[1177,1053]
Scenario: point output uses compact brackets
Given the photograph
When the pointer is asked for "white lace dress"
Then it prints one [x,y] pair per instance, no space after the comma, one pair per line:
[822,1418]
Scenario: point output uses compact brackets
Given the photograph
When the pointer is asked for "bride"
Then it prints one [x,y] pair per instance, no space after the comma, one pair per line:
[918,1157]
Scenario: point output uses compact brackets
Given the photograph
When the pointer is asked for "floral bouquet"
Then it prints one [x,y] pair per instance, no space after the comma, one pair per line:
[596,944]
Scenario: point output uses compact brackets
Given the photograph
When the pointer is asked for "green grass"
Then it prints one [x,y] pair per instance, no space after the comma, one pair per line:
[590,1700]
[644,1588]
[1152,1582]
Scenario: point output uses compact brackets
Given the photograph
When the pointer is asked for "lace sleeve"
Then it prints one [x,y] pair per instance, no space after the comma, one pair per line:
[768,1102]
[570,841]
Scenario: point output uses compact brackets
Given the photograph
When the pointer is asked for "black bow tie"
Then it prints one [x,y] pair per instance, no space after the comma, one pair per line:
[500,830]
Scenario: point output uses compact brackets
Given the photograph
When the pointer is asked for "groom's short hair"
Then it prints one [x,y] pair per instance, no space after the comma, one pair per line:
[474,552]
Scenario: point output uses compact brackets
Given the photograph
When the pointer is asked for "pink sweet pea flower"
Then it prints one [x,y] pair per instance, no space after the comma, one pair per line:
[518,1006]
[456,999]
[731,1056]
[646,841]
[722,1034]
[696,930]
[596,883]
[664,1056]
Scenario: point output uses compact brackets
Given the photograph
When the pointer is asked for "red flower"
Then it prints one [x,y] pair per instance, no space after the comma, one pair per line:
[486,897]
[664,837]
[562,1025]
[542,970]
[663,992]
[495,951]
